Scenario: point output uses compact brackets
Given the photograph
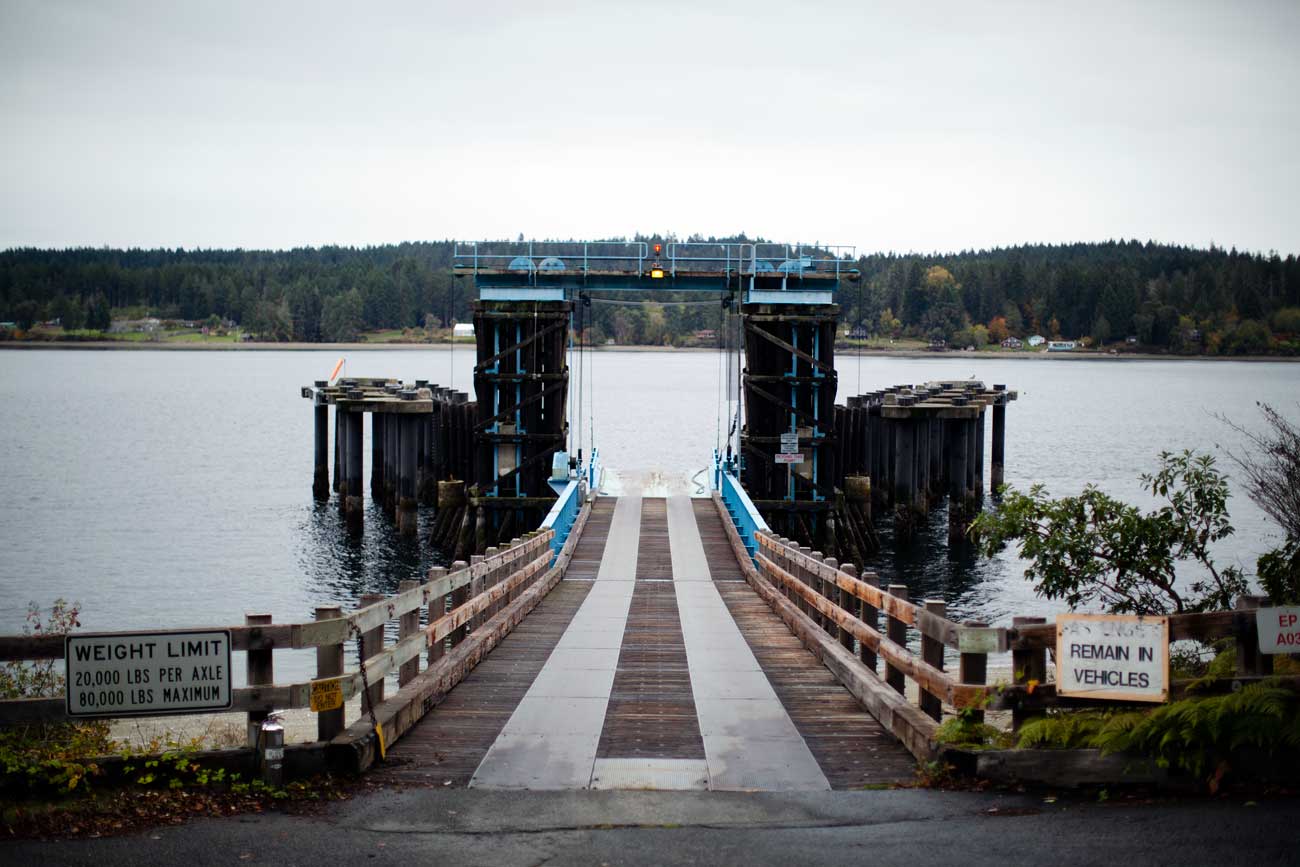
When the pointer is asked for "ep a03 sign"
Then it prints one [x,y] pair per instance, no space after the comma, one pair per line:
[148,673]
[1112,657]
[1279,629]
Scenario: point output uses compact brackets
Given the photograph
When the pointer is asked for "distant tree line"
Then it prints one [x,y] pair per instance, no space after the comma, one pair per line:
[1176,299]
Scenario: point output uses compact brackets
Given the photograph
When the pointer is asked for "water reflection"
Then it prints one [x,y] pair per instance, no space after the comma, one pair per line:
[339,567]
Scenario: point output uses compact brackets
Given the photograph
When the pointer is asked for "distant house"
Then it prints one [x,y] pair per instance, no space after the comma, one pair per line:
[938,345]
[462,329]
[706,334]
[1012,343]
[857,332]
[1061,345]
[1036,340]
[1131,340]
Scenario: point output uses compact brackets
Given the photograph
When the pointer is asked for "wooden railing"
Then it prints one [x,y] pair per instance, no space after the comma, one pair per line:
[471,607]
[858,628]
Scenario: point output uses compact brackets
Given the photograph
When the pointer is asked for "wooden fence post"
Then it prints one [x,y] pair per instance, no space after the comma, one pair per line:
[476,587]
[1246,635]
[827,590]
[374,641]
[260,668]
[932,652]
[849,603]
[974,668]
[493,578]
[871,617]
[329,663]
[897,633]
[408,626]
[437,608]
[458,597]
[1027,665]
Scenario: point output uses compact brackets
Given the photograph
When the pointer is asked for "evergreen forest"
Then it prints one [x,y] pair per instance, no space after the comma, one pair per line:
[1163,298]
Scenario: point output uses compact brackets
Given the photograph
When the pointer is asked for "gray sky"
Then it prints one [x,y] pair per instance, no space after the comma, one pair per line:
[942,126]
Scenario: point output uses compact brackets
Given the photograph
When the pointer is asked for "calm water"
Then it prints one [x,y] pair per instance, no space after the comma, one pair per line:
[174,488]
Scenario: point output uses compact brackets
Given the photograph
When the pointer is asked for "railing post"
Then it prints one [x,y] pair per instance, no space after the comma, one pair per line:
[408,626]
[329,663]
[897,633]
[476,587]
[871,617]
[260,668]
[1027,665]
[806,578]
[458,597]
[493,579]
[849,604]
[932,653]
[374,641]
[1250,662]
[974,669]
[437,608]
[820,585]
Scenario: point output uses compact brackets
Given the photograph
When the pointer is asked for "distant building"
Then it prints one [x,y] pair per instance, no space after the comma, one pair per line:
[1131,340]
[706,334]
[1036,340]
[462,329]
[857,332]
[1012,343]
[1061,345]
[938,345]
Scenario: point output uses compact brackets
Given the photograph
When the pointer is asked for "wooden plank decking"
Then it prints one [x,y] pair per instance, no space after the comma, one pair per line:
[687,706]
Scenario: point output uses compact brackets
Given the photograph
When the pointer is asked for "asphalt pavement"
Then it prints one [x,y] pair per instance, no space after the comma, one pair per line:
[912,827]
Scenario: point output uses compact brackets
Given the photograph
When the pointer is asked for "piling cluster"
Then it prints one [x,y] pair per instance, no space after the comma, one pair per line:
[918,445]
[421,436]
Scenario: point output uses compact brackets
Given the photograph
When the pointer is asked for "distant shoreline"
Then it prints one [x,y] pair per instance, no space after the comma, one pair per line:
[139,346]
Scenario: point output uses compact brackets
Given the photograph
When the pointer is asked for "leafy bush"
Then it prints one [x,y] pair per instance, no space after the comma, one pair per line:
[1094,549]
[48,755]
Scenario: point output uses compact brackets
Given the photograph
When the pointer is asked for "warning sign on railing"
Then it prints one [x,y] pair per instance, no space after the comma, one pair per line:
[1112,657]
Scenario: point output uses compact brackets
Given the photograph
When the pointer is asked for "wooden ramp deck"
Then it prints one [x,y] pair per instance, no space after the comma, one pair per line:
[651,665]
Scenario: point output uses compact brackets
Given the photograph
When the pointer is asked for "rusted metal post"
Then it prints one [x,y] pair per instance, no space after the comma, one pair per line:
[974,669]
[932,653]
[408,625]
[1028,666]
[329,663]
[260,670]
[897,633]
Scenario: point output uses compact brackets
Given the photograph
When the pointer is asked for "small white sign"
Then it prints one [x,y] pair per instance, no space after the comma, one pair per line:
[789,440]
[783,458]
[1112,657]
[148,674]
[980,639]
[1279,629]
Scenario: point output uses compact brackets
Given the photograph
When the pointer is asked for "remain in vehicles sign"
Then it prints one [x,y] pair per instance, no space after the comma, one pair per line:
[148,674]
[1112,657]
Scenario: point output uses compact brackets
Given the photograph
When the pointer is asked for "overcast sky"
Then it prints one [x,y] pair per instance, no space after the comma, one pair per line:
[889,126]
